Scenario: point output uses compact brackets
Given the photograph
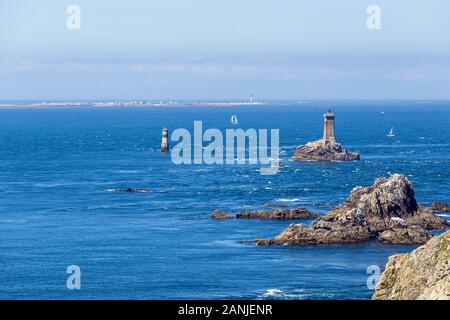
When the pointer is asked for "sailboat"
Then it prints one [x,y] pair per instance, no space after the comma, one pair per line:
[234,119]
[391,133]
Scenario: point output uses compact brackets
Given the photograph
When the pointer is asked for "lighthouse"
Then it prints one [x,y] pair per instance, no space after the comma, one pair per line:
[328,127]
[165,140]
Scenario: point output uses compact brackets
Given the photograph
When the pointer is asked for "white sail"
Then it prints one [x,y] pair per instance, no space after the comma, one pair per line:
[234,119]
[391,133]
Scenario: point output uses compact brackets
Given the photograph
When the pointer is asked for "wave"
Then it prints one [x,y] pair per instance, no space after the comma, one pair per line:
[296,294]
[52,185]
[127,171]
[411,145]
[287,199]
[228,243]
[201,170]
[272,293]
[278,294]
[115,206]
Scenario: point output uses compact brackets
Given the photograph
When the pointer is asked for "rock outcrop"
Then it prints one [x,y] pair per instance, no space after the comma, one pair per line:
[386,211]
[440,207]
[408,235]
[423,274]
[323,150]
[217,214]
[278,214]
[273,214]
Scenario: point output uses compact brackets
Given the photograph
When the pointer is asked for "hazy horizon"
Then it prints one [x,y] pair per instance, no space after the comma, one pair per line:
[173,50]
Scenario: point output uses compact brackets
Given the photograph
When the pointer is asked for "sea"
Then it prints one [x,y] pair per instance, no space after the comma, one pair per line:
[60,166]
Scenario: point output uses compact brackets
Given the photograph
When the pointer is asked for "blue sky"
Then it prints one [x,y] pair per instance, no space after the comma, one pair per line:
[224,49]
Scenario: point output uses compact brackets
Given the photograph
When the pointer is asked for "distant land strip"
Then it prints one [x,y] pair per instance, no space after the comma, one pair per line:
[129,104]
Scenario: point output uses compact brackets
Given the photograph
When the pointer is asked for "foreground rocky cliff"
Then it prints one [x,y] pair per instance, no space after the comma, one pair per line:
[273,214]
[386,211]
[323,150]
[423,274]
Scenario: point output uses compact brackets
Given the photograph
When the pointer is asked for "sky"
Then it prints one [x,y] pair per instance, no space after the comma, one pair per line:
[224,49]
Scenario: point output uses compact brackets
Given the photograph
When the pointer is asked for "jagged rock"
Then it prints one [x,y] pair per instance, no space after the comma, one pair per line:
[423,274]
[278,214]
[440,207]
[273,214]
[217,214]
[387,210]
[323,150]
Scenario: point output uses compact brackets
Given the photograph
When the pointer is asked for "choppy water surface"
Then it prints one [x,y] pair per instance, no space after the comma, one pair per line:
[58,167]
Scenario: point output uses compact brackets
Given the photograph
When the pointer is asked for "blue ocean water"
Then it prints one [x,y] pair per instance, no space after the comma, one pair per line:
[57,165]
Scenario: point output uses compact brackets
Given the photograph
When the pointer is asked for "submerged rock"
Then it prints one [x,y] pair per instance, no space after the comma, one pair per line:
[423,274]
[387,211]
[273,214]
[141,190]
[440,207]
[323,150]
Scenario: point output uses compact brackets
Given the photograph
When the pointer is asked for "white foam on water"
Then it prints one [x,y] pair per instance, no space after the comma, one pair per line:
[287,199]
[127,171]
[271,293]
[227,243]
[52,185]
[279,294]
[296,294]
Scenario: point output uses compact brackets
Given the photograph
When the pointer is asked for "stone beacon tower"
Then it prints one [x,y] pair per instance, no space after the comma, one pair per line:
[325,149]
[328,127]
[165,140]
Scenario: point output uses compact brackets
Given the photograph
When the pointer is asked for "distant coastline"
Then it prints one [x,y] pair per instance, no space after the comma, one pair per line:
[381,105]
[131,103]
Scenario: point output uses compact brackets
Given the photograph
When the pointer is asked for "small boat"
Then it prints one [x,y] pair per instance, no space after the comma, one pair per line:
[234,119]
[391,133]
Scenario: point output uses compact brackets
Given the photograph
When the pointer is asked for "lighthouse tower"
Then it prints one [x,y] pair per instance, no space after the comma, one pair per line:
[165,140]
[328,127]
